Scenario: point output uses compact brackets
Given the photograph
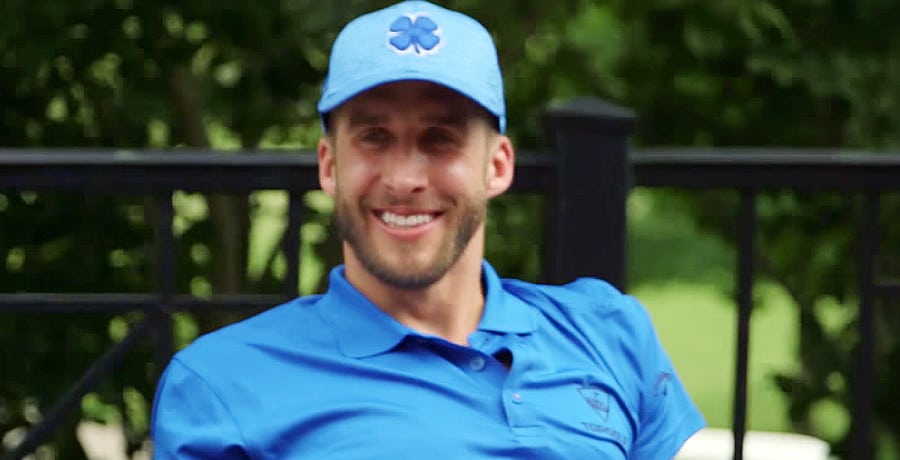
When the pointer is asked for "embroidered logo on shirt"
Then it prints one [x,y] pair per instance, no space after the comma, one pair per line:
[661,388]
[414,34]
[598,399]
[602,403]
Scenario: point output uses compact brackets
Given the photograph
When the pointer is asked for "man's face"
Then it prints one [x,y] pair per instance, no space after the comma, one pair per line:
[411,166]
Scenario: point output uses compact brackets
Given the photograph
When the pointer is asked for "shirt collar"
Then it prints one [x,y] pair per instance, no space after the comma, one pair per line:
[504,312]
[362,329]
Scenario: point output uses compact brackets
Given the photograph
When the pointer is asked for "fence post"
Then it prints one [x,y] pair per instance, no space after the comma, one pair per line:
[159,315]
[585,235]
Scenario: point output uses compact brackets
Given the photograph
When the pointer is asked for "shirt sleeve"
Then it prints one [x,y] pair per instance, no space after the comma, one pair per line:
[667,416]
[189,421]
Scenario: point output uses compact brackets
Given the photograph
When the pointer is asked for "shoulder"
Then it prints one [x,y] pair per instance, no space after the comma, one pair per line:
[585,299]
[289,325]
[218,390]
[591,315]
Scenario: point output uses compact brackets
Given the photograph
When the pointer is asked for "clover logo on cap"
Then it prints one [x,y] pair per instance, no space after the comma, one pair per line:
[414,34]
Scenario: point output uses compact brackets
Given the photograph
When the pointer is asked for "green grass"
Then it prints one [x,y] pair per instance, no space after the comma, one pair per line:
[697,325]
[685,279]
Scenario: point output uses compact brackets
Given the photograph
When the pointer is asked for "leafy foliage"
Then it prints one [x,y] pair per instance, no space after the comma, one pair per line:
[240,74]
[811,73]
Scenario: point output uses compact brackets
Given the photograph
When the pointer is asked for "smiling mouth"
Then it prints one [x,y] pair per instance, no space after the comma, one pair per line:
[405,221]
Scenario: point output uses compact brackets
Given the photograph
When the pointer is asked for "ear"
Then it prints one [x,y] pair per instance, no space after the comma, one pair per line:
[501,166]
[326,153]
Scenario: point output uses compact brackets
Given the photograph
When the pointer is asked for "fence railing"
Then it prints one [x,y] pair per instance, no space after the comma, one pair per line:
[586,181]
[752,171]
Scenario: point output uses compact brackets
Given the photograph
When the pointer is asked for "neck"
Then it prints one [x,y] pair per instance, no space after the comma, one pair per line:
[451,308]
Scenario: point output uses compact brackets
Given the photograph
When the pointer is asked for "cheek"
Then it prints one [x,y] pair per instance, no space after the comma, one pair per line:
[469,176]
[350,182]
[353,174]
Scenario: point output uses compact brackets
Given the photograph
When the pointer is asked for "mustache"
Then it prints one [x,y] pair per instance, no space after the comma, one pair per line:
[389,201]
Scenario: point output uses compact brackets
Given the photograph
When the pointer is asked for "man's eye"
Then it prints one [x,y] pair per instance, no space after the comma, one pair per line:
[438,136]
[375,136]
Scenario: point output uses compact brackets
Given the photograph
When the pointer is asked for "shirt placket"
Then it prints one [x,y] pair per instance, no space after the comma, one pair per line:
[518,408]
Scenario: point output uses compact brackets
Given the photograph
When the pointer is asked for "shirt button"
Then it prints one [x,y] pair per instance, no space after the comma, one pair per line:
[517,398]
[476,363]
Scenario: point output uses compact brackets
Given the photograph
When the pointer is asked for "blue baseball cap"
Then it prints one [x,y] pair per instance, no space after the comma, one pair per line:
[415,40]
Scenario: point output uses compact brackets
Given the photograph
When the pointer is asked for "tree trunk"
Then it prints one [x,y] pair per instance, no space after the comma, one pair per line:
[228,214]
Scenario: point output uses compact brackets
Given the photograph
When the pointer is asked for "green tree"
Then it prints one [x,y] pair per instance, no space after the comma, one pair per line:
[768,73]
[240,74]
[122,74]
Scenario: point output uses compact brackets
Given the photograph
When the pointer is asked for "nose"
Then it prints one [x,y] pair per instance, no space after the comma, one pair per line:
[405,172]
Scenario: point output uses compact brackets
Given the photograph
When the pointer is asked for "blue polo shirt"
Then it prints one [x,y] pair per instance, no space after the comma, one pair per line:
[553,372]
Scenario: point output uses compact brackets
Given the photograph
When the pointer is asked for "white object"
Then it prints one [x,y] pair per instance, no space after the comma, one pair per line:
[101,442]
[718,444]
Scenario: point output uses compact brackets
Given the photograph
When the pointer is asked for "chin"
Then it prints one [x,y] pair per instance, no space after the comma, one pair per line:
[407,274]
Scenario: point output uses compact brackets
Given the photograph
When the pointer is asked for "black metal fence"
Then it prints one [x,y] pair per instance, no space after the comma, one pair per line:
[752,171]
[586,181]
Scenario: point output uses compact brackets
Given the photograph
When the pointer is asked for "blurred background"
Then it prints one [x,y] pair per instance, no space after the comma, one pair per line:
[239,74]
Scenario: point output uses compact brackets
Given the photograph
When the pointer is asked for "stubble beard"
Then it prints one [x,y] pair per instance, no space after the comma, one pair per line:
[352,230]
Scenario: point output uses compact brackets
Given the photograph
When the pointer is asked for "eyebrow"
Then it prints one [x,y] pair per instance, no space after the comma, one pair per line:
[361,118]
[357,118]
[452,119]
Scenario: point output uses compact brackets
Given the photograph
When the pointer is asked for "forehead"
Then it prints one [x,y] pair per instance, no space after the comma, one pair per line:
[411,89]
[409,97]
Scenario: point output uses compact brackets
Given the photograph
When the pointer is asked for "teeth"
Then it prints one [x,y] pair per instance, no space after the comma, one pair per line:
[396,220]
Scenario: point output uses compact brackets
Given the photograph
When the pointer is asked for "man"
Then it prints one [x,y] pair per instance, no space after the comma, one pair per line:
[418,349]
